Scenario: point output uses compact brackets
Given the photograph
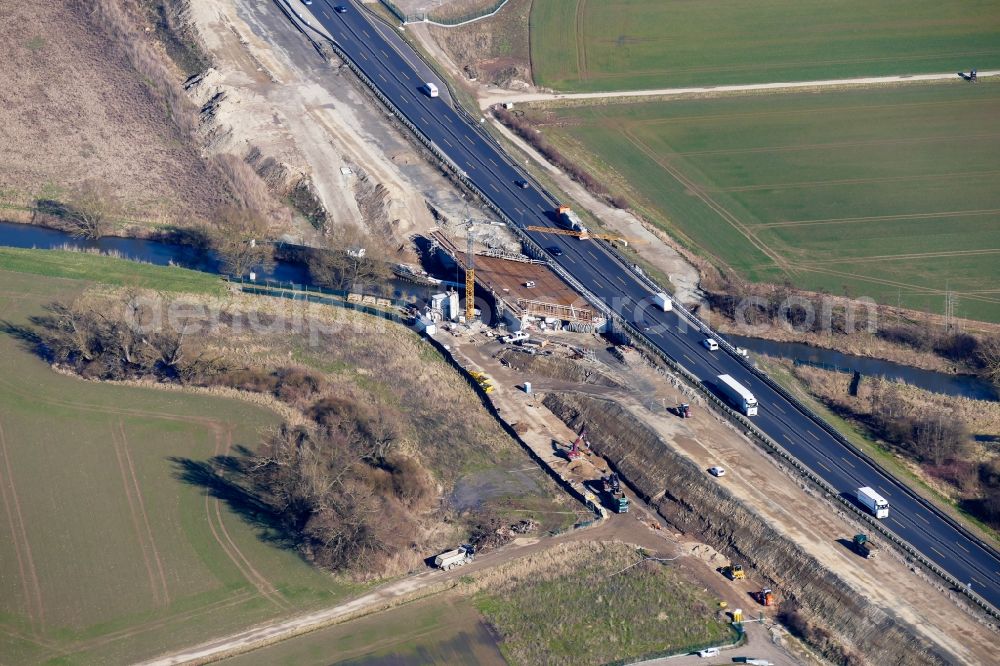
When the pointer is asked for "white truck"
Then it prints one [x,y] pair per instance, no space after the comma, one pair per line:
[454,558]
[519,336]
[874,502]
[430,89]
[663,301]
[739,395]
[570,220]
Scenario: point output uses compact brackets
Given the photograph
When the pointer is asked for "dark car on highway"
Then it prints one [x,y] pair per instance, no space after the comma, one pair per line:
[556,251]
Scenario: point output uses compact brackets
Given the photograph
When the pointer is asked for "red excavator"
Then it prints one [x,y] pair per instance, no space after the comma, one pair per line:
[574,452]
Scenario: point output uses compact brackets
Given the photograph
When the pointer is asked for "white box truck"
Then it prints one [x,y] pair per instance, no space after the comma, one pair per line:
[454,558]
[874,502]
[663,301]
[430,89]
[739,395]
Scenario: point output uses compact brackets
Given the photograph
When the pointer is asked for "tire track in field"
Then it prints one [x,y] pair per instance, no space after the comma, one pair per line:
[19,537]
[143,514]
[910,288]
[800,147]
[581,41]
[883,218]
[213,505]
[912,255]
[703,195]
[150,572]
[137,630]
[857,181]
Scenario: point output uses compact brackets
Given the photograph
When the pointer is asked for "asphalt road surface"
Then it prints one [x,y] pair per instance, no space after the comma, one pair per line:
[399,74]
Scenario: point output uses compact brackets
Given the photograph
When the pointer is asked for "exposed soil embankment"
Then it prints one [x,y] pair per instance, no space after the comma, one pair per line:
[695,504]
[554,367]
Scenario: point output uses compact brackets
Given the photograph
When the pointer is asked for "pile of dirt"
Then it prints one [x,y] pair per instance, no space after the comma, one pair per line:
[684,496]
[555,367]
[493,50]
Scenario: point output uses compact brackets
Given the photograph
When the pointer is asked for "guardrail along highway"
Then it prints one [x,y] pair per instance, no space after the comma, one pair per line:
[398,74]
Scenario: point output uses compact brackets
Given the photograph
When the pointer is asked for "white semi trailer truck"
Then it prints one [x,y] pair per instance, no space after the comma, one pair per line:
[738,395]
[874,502]
[663,301]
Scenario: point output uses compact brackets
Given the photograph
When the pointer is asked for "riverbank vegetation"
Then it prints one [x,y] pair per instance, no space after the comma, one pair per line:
[953,444]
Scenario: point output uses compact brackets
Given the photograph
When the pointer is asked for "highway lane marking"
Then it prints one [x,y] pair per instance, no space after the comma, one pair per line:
[448,118]
[364,56]
[470,139]
[365,33]
[785,435]
[976,580]
[406,75]
[383,78]
[519,211]
[471,165]
[619,278]
[897,522]
[820,463]
[884,490]
[494,188]
[570,259]
[961,546]
[424,120]
[690,360]
[814,435]
[939,552]
[539,207]
[447,142]
[384,53]
[922,518]
[591,253]
[493,163]
[778,407]
[847,461]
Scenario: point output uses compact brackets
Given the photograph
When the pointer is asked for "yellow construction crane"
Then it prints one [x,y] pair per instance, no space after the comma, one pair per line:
[470,278]
[582,235]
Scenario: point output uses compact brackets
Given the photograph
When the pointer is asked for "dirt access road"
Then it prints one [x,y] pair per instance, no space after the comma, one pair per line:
[491,96]
[624,528]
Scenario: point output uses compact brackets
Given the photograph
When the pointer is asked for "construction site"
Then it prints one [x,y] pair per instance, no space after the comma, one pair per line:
[521,292]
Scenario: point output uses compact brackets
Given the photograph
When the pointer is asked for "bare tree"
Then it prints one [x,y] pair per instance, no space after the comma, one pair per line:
[350,258]
[90,210]
[988,355]
[240,236]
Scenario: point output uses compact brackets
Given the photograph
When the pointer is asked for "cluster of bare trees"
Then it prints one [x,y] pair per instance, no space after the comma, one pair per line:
[350,257]
[934,437]
[342,491]
[90,210]
[114,340]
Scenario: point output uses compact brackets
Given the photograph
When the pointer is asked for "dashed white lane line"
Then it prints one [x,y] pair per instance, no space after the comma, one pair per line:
[690,360]
[847,461]
[820,463]
[813,435]
[962,547]
[939,552]
[778,407]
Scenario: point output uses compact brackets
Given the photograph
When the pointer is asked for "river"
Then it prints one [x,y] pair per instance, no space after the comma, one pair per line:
[164,254]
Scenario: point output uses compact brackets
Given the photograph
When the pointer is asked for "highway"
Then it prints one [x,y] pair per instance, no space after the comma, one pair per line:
[388,62]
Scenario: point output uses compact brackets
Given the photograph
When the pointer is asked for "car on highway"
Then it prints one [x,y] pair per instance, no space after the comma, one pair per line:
[556,251]
[307,2]
[710,344]
[717,471]
[340,9]
[523,184]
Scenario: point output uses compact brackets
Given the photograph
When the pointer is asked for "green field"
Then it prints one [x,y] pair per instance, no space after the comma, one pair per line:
[596,45]
[106,556]
[891,193]
[108,270]
[441,630]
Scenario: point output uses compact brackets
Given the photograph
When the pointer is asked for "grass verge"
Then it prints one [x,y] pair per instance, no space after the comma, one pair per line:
[108,270]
